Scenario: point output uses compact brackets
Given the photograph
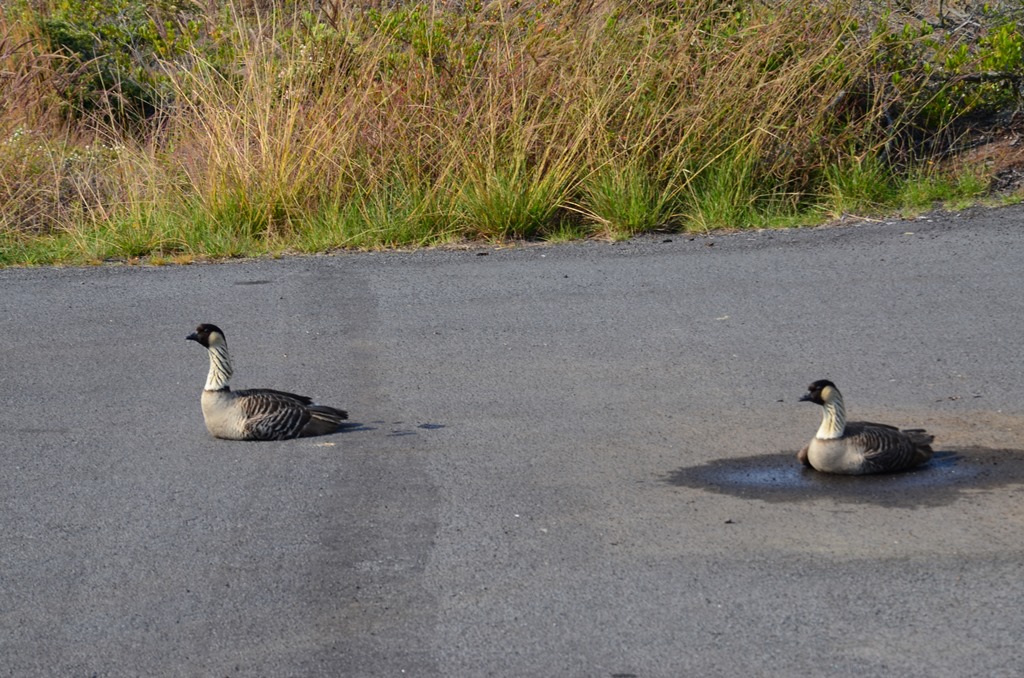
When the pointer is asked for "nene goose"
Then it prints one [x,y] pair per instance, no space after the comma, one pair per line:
[859,447]
[255,414]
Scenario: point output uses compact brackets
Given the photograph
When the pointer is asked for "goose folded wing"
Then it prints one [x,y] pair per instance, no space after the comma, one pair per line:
[274,394]
[884,446]
[274,415]
[870,424]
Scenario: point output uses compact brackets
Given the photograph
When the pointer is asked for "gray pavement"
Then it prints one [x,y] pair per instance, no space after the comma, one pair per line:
[572,460]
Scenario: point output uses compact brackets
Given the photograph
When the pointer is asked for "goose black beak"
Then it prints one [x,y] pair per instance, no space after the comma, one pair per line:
[192,337]
[806,398]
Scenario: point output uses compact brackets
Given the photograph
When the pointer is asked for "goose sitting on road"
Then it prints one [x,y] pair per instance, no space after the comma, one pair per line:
[255,414]
[859,447]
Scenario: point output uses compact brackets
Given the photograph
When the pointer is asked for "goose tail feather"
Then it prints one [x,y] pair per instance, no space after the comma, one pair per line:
[922,441]
[323,420]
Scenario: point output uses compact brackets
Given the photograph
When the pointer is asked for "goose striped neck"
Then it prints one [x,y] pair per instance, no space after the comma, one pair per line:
[833,415]
[220,368]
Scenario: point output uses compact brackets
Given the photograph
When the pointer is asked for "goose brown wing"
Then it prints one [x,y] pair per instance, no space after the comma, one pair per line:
[887,448]
[273,415]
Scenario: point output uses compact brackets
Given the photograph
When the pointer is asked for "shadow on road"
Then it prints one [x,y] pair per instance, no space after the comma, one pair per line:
[780,478]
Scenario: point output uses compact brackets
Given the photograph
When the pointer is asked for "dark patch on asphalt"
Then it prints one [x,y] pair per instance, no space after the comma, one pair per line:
[253,282]
[409,432]
[781,478]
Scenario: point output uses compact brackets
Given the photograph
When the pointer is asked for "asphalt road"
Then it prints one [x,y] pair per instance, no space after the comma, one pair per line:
[572,460]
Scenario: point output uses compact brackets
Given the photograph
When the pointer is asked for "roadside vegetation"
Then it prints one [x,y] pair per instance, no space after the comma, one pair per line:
[173,131]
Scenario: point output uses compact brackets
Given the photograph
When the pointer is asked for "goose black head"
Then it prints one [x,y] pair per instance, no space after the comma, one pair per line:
[816,392]
[203,334]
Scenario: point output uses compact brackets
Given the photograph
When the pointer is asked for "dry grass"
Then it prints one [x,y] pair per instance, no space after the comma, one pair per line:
[421,125]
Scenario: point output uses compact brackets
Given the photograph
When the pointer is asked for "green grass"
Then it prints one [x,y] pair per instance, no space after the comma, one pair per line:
[625,200]
[862,185]
[418,125]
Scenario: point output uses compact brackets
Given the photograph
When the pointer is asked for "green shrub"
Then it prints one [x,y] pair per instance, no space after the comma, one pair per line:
[115,50]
